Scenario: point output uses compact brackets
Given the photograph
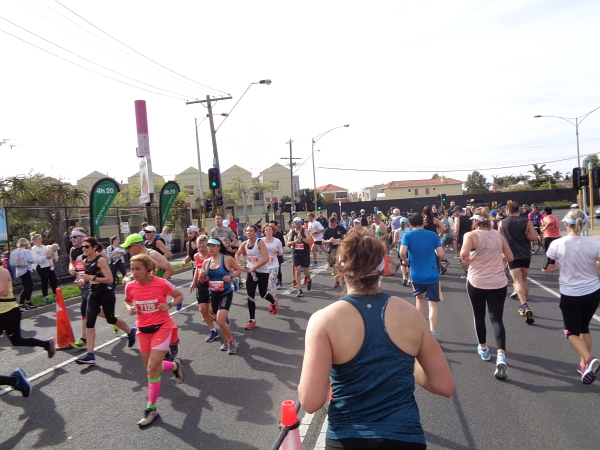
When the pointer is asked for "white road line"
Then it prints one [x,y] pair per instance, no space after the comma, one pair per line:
[69,361]
[556,294]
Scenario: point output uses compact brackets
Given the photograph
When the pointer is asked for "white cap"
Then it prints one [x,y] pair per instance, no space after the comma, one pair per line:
[574,205]
[226,223]
[150,228]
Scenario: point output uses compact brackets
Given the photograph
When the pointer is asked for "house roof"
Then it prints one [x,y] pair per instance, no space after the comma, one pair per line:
[427,182]
[331,188]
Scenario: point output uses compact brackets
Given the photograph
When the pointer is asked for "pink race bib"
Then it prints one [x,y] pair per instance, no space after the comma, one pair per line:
[216,285]
[299,246]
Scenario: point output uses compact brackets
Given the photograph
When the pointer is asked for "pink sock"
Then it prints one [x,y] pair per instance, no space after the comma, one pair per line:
[153,390]
[168,366]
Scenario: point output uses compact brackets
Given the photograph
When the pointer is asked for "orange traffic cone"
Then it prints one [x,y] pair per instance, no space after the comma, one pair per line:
[64,332]
[386,258]
[289,419]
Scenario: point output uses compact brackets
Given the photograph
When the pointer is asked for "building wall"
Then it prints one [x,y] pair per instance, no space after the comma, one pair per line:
[87,183]
[281,174]
[189,178]
[421,191]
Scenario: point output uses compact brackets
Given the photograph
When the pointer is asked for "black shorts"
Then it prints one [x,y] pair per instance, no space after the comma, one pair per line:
[202,293]
[577,312]
[301,260]
[221,301]
[318,243]
[522,263]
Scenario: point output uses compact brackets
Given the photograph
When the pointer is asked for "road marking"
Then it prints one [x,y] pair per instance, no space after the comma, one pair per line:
[556,294]
[69,361]
[315,271]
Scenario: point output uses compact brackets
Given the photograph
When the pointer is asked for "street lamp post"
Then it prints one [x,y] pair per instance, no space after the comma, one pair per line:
[577,122]
[314,141]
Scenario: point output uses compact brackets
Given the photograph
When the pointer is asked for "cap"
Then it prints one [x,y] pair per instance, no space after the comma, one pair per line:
[352,212]
[404,220]
[356,221]
[493,212]
[132,239]
[297,220]
[193,228]
[362,210]
[150,228]
[458,208]
[534,205]
[213,241]
[575,205]
[226,223]
[440,212]
[344,214]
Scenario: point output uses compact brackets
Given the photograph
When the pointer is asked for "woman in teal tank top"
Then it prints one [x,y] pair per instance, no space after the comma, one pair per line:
[373,370]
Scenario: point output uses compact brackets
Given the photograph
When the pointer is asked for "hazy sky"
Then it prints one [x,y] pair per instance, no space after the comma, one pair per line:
[428,86]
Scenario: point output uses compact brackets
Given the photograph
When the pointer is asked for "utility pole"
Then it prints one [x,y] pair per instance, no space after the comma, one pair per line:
[208,102]
[292,164]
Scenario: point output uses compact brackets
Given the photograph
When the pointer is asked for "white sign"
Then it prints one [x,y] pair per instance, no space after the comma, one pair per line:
[125,227]
[146,181]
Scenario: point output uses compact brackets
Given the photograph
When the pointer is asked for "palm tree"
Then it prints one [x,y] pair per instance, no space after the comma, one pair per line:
[539,171]
[557,176]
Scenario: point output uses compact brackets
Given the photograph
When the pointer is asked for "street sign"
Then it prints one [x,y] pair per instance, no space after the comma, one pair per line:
[125,227]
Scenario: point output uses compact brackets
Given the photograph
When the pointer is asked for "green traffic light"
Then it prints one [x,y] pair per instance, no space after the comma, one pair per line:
[213,183]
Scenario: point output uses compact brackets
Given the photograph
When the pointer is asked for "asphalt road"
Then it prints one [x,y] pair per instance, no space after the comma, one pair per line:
[233,402]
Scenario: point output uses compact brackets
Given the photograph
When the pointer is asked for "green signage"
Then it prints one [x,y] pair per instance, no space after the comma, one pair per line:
[102,195]
[168,194]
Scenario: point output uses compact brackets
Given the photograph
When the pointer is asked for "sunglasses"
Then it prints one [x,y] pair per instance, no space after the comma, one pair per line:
[75,237]
[146,232]
[86,246]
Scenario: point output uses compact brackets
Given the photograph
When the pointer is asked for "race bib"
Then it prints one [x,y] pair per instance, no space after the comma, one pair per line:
[199,264]
[299,246]
[271,259]
[335,241]
[253,259]
[216,285]
[79,265]
[223,240]
[146,306]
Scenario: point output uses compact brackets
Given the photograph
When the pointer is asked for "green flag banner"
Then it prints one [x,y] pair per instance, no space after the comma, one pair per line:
[168,194]
[102,195]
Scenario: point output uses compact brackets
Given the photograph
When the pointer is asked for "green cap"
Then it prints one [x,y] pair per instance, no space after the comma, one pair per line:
[132,239]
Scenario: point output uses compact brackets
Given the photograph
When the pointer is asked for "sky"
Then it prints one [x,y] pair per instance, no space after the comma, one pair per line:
[426,87]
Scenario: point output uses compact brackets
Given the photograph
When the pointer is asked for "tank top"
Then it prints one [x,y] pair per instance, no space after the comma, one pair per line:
[271,248]
[465,226]
[486,270]
[192,251]
[514,230]
[8,302]
[91,268]
[431,226]
[158,272]
[198,261]
[254,256]
[552,230]
[216,284]
[302,247]
[153,245]
[373,394]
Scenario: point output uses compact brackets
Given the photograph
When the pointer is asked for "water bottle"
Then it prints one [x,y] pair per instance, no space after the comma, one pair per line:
[254,277]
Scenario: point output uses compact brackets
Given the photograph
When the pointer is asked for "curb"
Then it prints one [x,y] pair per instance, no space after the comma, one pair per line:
[72,301]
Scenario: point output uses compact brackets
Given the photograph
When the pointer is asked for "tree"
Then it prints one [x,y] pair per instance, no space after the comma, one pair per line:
[591,159]
[476,184]
[557,176]
[539,171]
[435,175]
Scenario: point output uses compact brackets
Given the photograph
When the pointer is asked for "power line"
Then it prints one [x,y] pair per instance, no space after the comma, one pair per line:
[132,49]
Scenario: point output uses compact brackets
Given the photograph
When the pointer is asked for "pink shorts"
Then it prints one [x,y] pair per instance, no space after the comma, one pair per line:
[159,340]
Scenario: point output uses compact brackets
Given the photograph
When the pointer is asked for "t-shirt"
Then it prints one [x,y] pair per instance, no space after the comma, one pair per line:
[396,222]
[146,299]
[576,256]
[323,221]
[536,218]
[449,227]
[317,228]
[421,255]
[226,235]
[514,230]
[300,248]
[551,226]
[336,233]
[273,248]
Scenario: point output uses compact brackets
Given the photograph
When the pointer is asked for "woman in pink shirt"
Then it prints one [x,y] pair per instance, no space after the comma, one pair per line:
[550,227]
[487,252]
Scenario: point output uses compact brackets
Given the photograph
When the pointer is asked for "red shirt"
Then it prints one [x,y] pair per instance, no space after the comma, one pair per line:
[233,226]
[146,299]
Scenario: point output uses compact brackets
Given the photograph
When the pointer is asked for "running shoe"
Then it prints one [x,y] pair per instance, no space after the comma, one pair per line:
[179,306]
[275,306]
[463,276]
[232,347]
[309,285]
[212,335]
[305,281]
[580,369]
[149,415]
[592,366]
[47,301]
[79,343]
[225,346]
[22,385]
[30,305]
[529,317]
[313,264]
[300,293]
[279,286]
[115,327]
[522,310]
[500,372]
[131,337]
[484,353]
[251,324]
[294,284]
[236,284]
[173,351]
[51,348]
[179,377]
[88,359]
[443,270]
[23,309]
[404,281]
[514,295]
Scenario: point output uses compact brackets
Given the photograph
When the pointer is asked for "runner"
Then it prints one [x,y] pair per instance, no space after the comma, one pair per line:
[146,296]
[22,261]
[258,255]
[322,220]
[389,341]
[404,228]
[299,242]
[486,250]
[10,319]
[519,232]
[536,218]
[333,235]
[419,250]
[577,257]
[462,225]
[190,251]
[224,234]
[315,229]
[432,223]
[550,227]
[279,235]
[203,292]
[155,242]
[101,299]
[217,271]
[275,249]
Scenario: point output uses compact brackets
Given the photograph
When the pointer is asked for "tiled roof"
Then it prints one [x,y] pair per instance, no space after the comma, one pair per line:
[427,182]
[331,188]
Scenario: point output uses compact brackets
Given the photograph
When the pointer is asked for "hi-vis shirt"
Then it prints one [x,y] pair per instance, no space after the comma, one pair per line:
[146,299]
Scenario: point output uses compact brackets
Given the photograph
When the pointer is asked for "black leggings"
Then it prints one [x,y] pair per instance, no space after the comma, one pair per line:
[10,322]
[118,266]
[364,444]
[47,275]
[279,275]
[263,284]
[548,241]
[27,282]
[104,300]
[577,312]
[494,298]
[7,381]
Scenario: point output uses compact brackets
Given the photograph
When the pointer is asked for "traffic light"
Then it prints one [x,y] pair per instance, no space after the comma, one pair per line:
[214,178]
[268,207]
[443,198]
[218,200]
[580,178]
[596,177]
[439,197]
[208,206]
[319,205]
[275,206]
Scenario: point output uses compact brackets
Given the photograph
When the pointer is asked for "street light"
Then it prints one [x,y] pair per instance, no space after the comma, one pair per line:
[577,120]
[314,141]
[267,82]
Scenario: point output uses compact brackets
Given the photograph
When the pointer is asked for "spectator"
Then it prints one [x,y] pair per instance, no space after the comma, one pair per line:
[168,237]
[117,258]
[43,265]
[22,261]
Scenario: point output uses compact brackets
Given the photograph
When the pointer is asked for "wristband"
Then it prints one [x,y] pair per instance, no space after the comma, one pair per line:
[170,304]
[94,279]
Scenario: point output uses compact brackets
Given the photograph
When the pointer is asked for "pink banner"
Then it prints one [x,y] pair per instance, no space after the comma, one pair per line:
[141,120]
